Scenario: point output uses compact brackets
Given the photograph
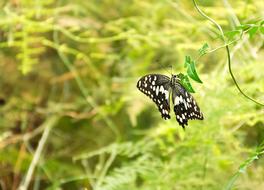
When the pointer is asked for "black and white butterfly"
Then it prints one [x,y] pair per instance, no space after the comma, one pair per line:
[160,88]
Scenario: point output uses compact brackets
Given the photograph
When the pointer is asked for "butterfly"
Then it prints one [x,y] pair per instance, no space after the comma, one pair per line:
[161,87]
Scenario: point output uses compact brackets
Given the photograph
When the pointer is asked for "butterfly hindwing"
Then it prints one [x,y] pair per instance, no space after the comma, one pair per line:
[185,107]
[157,87]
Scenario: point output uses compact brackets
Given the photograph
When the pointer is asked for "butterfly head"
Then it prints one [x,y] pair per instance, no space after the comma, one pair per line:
[175,79]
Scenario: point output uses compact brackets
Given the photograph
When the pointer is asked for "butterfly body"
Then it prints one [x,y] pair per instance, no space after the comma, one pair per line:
[161,88]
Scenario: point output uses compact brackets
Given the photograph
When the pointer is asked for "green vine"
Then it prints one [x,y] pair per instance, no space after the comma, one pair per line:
[228,53]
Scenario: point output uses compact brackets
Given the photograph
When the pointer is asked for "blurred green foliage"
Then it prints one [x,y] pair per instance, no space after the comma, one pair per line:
[72,67]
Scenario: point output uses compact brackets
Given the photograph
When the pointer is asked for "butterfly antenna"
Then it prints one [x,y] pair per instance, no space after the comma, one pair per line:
[165,68]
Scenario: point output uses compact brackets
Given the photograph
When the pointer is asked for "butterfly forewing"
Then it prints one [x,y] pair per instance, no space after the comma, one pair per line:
[185,107]
[157,87]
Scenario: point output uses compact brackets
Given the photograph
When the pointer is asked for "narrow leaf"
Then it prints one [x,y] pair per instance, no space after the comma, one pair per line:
[203,50]
[191,71]
[187,61]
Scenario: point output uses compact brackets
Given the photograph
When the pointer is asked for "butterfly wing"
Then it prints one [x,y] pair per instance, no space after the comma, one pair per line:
[157,87]
[185,107]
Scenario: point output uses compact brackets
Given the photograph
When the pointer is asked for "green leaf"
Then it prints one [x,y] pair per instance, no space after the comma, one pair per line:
[230,35]
[191,70]
[252,32]
[261,27]
[244,27]
[252,28]
[187,61]
[203,50]
[185,82]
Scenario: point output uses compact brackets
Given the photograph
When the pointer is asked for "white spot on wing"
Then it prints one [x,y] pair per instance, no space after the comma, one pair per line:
[180,99]
[185,104]
[177,100]
[166,94]
[161,89]
[157,90]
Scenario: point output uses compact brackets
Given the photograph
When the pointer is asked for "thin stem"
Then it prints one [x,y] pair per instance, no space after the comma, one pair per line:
[234,79]
[89,173]
[208,18]
[228,54]
[223,46]
[106,167]
[48,125]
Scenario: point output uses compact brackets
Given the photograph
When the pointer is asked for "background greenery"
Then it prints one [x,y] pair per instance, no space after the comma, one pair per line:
[72,118]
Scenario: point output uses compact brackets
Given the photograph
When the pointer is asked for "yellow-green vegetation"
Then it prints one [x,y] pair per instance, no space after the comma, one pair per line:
[72,117]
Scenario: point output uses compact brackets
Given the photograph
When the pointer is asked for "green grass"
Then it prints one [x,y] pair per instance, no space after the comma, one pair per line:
[68,75]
